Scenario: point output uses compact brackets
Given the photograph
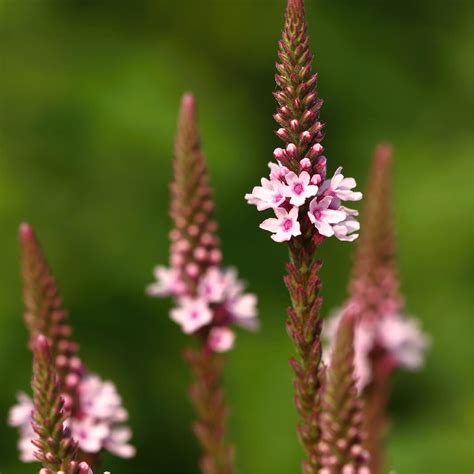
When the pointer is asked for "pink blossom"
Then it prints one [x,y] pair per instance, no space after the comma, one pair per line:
[100,399]
[213,285]
[97,424]
[223,287]
[221,339]
[340,187]
[20,416]
[400,337]
[278,171]
[89,434]
[404,340]
[284,226]
[192,314]
[168,282]
[305,164]
[267,196]
[243,306]
[117,442]
[298,188]
[345,230]
[323,217]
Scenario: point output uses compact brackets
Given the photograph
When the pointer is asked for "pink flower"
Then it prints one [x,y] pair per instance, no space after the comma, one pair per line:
[20,416]
[117,442]
[89,434]
[221,339]
[97,425]
[101,415]
[278,171]
[400,337]
[168,282]
[322,217]
[243,309]
[345,230]
[269,195]
[404,340]
[222,286]
[340,187]
[192,314]
[284,226]
[213,285]
[100,399]
[298,188]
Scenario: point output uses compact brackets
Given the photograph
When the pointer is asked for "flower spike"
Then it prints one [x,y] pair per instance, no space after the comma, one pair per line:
[209,299]
[93,408]
[308,208]
[385,338]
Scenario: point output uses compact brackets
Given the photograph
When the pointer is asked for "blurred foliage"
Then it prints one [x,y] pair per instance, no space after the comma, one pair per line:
[89,92]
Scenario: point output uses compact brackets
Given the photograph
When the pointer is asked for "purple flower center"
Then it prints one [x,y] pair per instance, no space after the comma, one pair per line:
[317,214]
[194,315]
[298,188]
[287,224]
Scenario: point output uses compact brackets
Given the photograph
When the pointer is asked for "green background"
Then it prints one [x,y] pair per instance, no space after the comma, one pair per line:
[89,92]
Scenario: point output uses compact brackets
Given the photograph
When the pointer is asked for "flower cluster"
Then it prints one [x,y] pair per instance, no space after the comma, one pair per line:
[399,338]
[219,301]
[306,194]
[97,424]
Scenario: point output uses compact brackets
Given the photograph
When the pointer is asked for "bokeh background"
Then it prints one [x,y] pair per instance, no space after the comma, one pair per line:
[89,92]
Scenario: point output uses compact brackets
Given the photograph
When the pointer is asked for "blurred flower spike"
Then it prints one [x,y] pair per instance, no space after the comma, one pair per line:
[93,411]
[209,298]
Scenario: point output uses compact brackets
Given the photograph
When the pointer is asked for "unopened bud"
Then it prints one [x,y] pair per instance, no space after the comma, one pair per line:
[279,154]
[305,137]
[192,270]
[305,164]
[72,380]
[215,256]
[283,134]
[291,150]
[193,230]
[294,125]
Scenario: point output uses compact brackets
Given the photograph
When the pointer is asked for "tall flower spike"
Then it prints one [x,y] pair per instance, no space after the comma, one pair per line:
[375,283]
[56,448]
[385,338]
[342,420]
[94,408]
[209,299]
[308,209]
[195,248]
